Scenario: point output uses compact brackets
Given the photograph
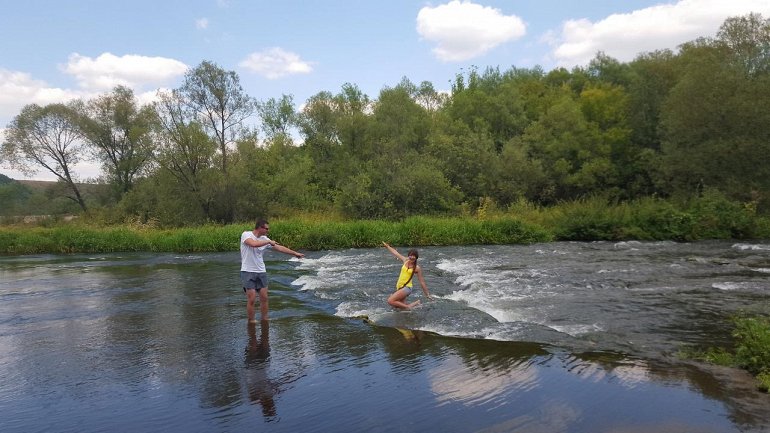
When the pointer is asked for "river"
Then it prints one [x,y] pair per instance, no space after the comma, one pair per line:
[556,337]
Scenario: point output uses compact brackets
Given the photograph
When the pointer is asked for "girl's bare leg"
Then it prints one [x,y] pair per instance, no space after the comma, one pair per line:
[397,300]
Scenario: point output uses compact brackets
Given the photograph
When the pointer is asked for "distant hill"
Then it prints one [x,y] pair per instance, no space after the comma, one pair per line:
[42,186]
[37,184]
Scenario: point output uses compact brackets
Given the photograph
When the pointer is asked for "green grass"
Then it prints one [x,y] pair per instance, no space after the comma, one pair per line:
[710,216]
[297,234]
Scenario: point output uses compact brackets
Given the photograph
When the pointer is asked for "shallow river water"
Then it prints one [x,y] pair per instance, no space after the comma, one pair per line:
[557,337]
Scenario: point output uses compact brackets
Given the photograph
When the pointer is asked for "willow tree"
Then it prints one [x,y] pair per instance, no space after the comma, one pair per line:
[219,102]
[118,130]
[185,151]
[47,138]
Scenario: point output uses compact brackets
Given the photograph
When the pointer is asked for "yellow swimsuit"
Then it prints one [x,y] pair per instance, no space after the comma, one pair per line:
[405,275]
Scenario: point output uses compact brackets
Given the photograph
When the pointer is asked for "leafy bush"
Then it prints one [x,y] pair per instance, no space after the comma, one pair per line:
[753,349]
[716,217]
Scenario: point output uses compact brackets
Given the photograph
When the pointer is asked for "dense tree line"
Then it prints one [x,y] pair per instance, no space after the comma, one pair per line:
[666,124]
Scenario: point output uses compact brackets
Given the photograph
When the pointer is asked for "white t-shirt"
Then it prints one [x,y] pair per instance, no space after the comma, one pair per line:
[251,257]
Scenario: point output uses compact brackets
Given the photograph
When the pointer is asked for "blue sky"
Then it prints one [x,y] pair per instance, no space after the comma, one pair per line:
[56,50]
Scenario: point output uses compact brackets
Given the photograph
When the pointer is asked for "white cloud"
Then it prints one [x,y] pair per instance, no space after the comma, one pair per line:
[276,63]
[202,23]
[624,36]
[463,30]
[108,70]
[18,89]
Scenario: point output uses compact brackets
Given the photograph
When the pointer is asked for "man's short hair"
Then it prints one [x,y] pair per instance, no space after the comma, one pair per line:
[261,222]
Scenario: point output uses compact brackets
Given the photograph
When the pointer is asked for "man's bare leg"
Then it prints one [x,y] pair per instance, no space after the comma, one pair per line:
[263,303]
[251,296]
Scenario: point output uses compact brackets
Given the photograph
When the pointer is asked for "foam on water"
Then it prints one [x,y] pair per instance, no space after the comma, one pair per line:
[355,309]
[730,286]
[576,330]
[752,247]
[559,293]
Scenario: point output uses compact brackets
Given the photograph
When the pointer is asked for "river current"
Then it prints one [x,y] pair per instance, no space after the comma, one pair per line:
[558,337]
[644,298]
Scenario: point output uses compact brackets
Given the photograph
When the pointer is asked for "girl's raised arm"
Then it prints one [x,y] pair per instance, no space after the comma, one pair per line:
[394,252]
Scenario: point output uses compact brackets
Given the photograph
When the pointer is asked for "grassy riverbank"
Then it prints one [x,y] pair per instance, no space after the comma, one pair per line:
[584,220]
[304,235]
[751,351]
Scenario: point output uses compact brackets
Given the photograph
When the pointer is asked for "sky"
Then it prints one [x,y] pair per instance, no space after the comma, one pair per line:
[57,50]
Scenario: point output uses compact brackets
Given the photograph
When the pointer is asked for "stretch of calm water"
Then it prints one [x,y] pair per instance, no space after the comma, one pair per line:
[558,337]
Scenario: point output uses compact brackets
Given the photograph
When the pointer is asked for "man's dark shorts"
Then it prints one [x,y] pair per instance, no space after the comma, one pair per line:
[253,280]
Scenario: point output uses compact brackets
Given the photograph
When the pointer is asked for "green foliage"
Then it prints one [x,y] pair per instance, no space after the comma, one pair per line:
[198,239]
[716,217]
[714,133]
[713,355]
[119,130]
[590,219]
[711,216]
[298,234]
[751,352]
[764,381]
[595,218]
[656,219]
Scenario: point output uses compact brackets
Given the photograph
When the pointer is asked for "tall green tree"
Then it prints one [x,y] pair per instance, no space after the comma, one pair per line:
[278,118]
[490,102]
[335,132]
[185,151]
[47,138]
[748,40]
[716,132]
[571,148]
[468,159]
[606,69]
[119,131]
[218,100]
[398,121]
[653,75]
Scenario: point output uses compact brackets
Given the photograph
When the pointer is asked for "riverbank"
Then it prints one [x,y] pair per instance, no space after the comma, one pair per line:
[585,220]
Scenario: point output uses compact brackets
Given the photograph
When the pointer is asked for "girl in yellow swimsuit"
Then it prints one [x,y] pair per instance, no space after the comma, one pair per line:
[404,283]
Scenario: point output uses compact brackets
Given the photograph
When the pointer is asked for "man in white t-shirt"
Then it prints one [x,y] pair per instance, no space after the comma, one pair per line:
[253,272]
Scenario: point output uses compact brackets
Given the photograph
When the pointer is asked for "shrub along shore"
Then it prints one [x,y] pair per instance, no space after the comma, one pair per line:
[522,223]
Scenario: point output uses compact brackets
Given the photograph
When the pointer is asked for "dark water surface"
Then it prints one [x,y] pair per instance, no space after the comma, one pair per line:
[559,337]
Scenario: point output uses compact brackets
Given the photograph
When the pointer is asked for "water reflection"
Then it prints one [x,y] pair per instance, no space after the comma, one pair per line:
[457,380]
[260,388]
